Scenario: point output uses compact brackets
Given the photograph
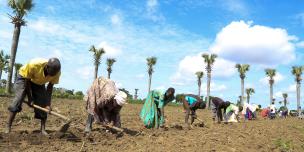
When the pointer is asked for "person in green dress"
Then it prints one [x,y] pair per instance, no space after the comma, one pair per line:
[152,113]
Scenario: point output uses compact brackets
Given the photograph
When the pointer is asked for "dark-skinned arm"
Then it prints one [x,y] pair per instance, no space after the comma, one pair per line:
[187,108]
[49,91]
[28,89]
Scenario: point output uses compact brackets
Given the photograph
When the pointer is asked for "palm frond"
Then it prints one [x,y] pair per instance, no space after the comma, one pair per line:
[199,74]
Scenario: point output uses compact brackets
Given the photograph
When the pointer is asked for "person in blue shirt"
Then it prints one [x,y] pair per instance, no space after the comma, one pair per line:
[191,103]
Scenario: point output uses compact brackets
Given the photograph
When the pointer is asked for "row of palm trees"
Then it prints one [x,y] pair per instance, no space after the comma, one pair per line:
[97,54]
[209,59]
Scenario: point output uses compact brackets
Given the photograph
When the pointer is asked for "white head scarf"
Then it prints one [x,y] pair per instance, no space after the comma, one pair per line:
[121,98]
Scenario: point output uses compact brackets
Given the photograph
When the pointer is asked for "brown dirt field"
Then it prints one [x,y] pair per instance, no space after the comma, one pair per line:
[259,135]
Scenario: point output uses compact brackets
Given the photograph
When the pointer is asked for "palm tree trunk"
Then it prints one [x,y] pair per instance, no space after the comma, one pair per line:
[208,89]
[242,87]
[13,56]
[199,87]
[149,85]
[109,75]
[298,97]
[248,98]
[285,102]
[96,71]
[271,92]
[15,75]
[1,74]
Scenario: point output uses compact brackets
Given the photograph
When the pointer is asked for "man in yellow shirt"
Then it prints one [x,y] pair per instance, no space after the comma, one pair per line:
[31,82]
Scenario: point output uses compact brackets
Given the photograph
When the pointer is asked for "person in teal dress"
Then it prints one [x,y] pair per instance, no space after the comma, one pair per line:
[152,113]
[191,103]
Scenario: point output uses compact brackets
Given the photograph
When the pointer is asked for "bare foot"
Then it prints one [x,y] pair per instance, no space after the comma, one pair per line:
[7,130]
[43,132]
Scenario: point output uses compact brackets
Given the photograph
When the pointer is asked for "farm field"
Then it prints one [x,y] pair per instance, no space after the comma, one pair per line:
[260,135]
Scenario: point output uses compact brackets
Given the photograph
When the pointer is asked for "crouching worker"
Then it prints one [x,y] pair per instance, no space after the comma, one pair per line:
[232,113]
[249,111]
[30,82]
[217,105]
[104,102]
[152,113]
[191,103]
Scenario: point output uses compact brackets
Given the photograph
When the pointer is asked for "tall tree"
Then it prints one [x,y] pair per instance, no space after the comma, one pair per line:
[297,72]
[20,9]
[285,96]
[209,60]
[242,68]
[249,92]
[199,76]
[151,61]
[4,60]
[97,54]
[136,94]
[17,67]
[271,74]
[110,63]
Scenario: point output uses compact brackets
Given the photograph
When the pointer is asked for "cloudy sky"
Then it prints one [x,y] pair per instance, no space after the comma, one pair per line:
[264,34]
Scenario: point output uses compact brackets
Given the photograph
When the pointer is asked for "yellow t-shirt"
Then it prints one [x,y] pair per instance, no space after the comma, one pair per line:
[34,70]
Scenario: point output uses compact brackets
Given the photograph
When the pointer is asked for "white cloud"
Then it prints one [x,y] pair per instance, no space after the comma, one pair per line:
[214,87]
[189,65]
[140,76]
[111,51]
[277,78]
[116,19]
[300,18]
[50,9]
[247,43]
[162,88]
[292,88]
[152,11]
[300,44]
[85,72]
[235,6]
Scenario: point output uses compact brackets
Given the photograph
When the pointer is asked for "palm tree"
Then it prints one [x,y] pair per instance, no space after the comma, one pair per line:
[20,9]
[110,63]
[199,76]
[17,67]
[249,92]
[297,72]
[209,60]
[285,95]
[136,95]
[4,60]
[242,68]
[97,58]
[271,74]
[151,61]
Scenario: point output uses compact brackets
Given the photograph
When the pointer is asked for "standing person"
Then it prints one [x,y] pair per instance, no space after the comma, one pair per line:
[152,113]
[103,103]
[217,106]
[31,82]
[272,112]
[191,103]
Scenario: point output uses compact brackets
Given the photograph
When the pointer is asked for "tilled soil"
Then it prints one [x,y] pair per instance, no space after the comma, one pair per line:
[257,136]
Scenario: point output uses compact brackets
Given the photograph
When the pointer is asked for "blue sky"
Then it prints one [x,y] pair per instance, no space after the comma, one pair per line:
[261,33]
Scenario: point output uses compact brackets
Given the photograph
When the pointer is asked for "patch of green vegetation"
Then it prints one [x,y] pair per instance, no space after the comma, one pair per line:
[132,101]
[283,145]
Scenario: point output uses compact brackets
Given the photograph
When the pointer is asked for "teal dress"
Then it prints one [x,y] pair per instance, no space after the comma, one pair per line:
[190,100]
[150,115]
